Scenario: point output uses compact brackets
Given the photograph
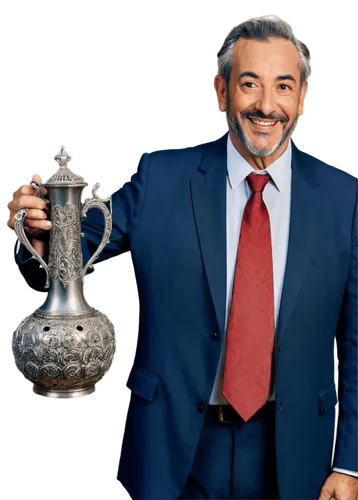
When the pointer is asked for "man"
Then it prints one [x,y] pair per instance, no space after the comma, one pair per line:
[245,255]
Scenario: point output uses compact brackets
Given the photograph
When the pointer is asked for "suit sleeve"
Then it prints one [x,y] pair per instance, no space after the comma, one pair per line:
[127,206]
[346,449]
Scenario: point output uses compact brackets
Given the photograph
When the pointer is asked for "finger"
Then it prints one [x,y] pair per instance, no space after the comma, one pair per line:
[25,189]
[31,213]
[36,178]
[34,213]
[38,224]
[26,201]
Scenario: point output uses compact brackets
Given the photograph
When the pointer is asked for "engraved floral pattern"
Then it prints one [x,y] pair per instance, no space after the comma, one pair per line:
[50,355]
[65,258]
[50,370]
[31,371]
[64,353]
[94,338]
[92,368]
[71,356]
[72,371]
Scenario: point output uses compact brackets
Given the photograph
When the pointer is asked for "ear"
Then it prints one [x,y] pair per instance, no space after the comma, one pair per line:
[220,87]
[302,97]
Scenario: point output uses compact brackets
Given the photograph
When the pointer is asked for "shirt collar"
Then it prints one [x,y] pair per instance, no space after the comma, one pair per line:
[238,168]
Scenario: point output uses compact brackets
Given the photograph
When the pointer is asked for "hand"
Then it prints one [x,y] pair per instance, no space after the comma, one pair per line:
[339,486]
[35,221]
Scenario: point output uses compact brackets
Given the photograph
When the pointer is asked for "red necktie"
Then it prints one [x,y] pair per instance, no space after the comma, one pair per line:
[251,326]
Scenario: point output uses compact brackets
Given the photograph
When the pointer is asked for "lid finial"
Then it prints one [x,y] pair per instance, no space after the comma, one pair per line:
[62,157]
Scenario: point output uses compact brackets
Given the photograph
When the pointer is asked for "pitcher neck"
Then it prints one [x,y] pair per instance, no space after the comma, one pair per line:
[65,254]
[65,299]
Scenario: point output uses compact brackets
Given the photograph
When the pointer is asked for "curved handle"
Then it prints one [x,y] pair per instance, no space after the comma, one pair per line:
[20,232]
[97,202]
[39,190]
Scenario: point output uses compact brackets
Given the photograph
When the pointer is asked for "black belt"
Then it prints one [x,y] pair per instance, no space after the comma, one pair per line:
[226,414]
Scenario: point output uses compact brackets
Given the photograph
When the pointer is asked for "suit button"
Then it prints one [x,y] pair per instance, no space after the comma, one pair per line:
[201,408]
[280,405]
[215,335]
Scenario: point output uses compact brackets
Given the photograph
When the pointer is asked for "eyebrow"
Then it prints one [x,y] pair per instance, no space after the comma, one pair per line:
[254,75]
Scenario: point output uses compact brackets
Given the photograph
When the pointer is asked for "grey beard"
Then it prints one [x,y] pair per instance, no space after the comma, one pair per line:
[239,133]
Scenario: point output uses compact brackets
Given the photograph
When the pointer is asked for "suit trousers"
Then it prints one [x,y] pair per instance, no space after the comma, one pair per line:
[235,460]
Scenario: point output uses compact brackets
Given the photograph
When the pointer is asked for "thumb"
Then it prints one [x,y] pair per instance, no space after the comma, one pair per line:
[39,179]
[36,178]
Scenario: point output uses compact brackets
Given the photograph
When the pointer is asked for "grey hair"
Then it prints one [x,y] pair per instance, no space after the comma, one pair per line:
[261,28]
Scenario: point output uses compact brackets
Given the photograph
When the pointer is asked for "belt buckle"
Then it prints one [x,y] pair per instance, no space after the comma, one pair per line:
[221,417]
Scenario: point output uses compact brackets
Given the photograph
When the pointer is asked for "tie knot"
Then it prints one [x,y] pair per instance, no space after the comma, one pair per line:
[257,182]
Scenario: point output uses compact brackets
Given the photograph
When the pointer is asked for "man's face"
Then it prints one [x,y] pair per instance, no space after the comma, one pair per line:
[265,86]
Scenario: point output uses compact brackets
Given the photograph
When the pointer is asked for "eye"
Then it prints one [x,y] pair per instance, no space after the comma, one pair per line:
[249,83]
[285,85]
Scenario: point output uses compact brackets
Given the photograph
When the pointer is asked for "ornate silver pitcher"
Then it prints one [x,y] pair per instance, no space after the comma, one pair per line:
[65,346]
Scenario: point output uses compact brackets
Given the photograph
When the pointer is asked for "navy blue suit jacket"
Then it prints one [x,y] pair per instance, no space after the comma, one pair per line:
[171,216]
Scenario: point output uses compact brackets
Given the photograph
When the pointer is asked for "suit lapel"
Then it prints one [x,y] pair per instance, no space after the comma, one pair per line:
[208,190]
[305,207]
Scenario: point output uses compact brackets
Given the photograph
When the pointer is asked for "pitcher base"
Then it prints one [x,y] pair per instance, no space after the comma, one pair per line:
[63,394]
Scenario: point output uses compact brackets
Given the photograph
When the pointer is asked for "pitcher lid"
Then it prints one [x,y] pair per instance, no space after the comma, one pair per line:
[64,176]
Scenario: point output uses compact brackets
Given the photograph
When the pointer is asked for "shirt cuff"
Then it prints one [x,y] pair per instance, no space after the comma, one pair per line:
[350,472]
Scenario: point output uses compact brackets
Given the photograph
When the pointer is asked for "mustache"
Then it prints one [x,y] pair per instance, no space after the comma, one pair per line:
[261,116]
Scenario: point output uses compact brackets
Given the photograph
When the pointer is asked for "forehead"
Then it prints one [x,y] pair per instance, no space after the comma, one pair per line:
[265,57]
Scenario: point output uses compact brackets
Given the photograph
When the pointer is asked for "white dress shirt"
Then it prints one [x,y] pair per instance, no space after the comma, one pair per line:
[277,197]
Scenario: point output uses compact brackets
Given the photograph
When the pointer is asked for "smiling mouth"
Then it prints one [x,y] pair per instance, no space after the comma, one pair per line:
[267,124]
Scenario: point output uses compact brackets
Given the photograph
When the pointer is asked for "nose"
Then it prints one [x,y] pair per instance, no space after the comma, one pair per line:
[266,102]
